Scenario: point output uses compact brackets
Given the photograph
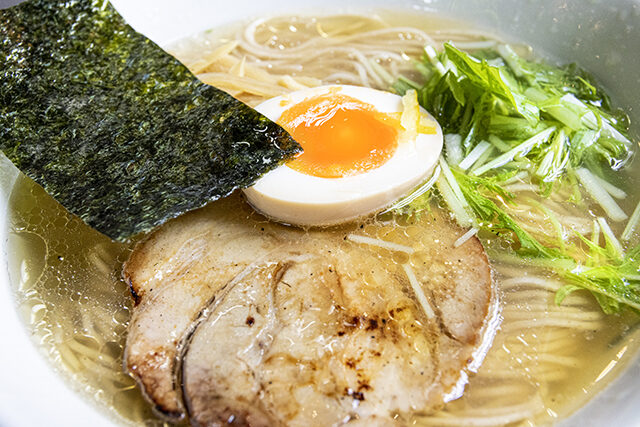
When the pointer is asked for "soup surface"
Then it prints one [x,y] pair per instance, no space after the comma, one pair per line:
[546,360]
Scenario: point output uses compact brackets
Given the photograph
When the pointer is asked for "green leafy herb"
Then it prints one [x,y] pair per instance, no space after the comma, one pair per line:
[115,129]
[614,284]
[500,97]
[509,117]
[496,220]
[611,276]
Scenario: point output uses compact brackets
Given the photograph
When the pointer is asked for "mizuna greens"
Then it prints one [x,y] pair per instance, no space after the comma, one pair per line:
[114,128]
[510,119]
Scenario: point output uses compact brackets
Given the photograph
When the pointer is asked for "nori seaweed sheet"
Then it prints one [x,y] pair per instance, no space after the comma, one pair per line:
[116,129]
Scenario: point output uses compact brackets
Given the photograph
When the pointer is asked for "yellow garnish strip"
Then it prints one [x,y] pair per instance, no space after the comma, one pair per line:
[427,125]
[412,119]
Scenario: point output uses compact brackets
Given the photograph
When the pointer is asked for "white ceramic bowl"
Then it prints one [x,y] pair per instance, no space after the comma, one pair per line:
[603,36]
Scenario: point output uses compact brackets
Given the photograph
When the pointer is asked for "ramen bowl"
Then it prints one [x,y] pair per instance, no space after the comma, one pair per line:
[602,36]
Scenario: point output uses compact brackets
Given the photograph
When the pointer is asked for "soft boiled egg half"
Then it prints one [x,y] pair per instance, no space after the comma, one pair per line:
[363,150]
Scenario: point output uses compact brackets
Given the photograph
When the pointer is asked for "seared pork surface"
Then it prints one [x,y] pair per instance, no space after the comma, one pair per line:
[240,319]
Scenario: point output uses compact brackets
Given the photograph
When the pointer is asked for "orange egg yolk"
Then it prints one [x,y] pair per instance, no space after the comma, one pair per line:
[341,136]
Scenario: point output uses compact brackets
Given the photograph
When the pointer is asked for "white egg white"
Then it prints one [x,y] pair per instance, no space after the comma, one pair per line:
[293,197]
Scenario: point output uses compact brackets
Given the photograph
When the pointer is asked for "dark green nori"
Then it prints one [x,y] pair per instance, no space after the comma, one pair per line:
[114,128]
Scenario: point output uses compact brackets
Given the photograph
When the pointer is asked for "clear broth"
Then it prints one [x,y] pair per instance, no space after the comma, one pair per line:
[546,361]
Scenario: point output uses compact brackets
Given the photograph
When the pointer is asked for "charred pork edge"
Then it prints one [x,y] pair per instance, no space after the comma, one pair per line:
[170,416]
[159,410]
[204,314]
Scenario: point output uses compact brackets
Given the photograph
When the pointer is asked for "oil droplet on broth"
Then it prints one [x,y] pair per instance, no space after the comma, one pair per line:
[67,278]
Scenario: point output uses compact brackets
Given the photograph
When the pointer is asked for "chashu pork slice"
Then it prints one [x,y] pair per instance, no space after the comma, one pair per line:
[173,275]
[271,325]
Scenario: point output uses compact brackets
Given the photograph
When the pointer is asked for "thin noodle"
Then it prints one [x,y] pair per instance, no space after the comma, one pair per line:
[538,346]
